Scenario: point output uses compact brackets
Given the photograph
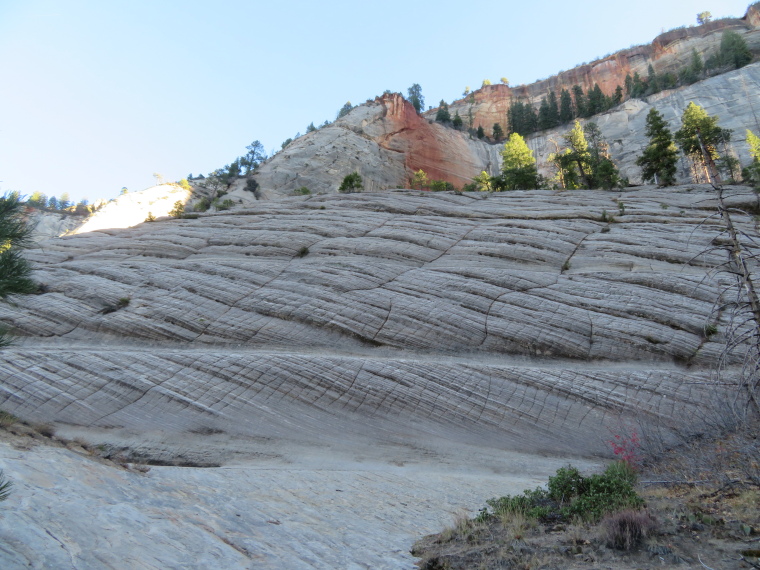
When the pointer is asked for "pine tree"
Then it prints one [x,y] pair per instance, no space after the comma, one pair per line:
[498,132]
[618,97]
[579,154]
[443,115]
[544,121]
[416,98]
[733,50]
[518,169]
[553,110]
[638,88]
[629,85]
[653,83]
[565,107]
[481,132]
[580,101]
[15,271]
[699,137]
[603,172]
[457,121]
[595,101]
[658,162]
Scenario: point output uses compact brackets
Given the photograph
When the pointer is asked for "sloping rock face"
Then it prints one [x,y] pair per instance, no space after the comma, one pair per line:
[360,364]
[733,97]
[669,52]
[384,140]
[519,319]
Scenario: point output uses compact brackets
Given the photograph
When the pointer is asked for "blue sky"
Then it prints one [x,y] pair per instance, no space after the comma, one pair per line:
[97,95]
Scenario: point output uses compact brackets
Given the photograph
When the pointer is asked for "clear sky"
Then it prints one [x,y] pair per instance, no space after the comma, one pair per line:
[100,94]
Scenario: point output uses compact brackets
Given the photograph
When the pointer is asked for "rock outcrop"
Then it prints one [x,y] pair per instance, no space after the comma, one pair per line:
[360,364]
[384,140]
[380,310]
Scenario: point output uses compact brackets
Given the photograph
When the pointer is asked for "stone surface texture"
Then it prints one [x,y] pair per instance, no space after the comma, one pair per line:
[359,366]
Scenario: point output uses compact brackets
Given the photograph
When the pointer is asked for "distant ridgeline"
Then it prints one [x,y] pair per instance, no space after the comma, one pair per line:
[676,58]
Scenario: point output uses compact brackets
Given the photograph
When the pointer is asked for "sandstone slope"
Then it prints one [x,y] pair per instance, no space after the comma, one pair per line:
[519,319]
[361,367]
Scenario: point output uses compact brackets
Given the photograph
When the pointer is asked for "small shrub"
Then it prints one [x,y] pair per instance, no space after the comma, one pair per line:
[664,206]
[351,183]
[626,529]
[189,216]
[202,205]
[605,229]
[224,205]
[178,210]
[441,186]
[123,302]
[302,191]
[621,208]
[627,449]
[711,330]
[571,495]
[5,486]
[566,266]
[605,217]
[251,185]
[151,217]
[7,420]
[303,252]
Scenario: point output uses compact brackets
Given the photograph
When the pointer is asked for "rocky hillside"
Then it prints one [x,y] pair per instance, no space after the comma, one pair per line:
[380,309]
[386,141]
[359,366]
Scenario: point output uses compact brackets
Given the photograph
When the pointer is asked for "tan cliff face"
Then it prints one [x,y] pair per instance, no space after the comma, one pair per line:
[669,52]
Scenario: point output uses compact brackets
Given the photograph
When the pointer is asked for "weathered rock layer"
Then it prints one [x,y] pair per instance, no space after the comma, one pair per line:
[523,319]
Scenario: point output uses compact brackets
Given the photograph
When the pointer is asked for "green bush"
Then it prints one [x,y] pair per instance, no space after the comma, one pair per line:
[570,494]
[302,191]
[202,205]
[223,205]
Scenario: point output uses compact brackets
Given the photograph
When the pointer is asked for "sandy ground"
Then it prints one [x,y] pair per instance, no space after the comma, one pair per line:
[273,504]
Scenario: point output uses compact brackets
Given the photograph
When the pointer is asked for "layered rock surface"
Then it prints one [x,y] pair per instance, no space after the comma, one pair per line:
[489,324]
[404,308]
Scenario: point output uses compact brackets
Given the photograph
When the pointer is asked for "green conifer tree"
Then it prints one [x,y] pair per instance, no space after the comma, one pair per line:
[699,137]
[658,162]
[565,107]
[733,50]
[518,169]
[15,271]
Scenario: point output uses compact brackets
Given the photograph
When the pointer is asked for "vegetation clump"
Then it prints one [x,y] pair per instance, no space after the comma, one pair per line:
[351,183]
[570,494]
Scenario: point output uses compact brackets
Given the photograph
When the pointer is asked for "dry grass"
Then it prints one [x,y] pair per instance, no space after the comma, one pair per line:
[627,529]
